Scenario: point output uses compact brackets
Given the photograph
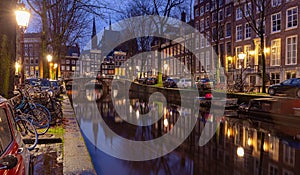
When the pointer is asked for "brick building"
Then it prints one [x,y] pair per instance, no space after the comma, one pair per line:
[224,23]
[32,54]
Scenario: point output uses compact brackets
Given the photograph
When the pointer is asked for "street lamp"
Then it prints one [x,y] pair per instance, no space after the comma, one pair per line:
[240,151]
[22,17]
[241,58]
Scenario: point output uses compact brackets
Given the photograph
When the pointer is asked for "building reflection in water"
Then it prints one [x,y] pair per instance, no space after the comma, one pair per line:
[241,145]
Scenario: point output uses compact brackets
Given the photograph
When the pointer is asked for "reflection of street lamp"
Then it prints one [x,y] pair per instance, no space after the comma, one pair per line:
[55,70]
[49,58]
[166,68]
[22,17]
[241,58]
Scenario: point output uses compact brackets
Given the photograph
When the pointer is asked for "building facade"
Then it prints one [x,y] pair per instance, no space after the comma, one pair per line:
[32,54]
[228,25]
[69,65]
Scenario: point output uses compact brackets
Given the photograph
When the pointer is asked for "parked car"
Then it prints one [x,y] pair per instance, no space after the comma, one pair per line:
[151,81]
[204,84]
[184,83]
[171,82]
[31,81]
[14,156]
[142,80]
[288,87]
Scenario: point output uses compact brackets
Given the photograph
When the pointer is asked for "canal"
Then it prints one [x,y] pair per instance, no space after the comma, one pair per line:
[240,144]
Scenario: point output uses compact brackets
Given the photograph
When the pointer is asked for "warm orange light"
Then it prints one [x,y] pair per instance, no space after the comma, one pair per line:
[166,122]
[249,142]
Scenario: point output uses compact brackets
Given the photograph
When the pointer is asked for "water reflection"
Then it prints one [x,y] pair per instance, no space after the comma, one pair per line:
[267,148]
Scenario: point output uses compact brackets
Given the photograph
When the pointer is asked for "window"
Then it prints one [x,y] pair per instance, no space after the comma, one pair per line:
[214,34]
[62,68]
[273,170]
[288,155]
[248,59]
[291,50]
[207,22]
[5,132]
[276,22]
[196,2]
[239,13]
[289,75]
[228,29]
[292,17]
[202,25]
[197,12]
[228,49]
[258,24]
[239,33]
[228,11]
[207,7]
[201,10]
[221,3]
[197,25]
[197,42]
[215,17]
[276,3]
[207,61]
[275,77]
[221,15]
[221,32]
[247,31]
[238,50]
[213,5]
[67,61]
[202,41]
[248,9]
[275,52]
[286,172]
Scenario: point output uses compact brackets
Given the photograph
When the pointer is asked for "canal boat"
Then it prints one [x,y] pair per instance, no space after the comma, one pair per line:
[272,109]
[228,103]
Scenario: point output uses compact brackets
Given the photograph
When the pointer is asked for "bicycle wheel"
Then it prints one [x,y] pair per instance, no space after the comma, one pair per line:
[45,109]
[39,119]
[28,133]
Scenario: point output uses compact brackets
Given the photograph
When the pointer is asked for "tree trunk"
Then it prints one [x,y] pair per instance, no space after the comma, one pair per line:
[263,64]
[44,72]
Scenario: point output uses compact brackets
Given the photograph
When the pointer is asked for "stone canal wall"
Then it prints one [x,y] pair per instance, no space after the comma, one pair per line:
[76,158]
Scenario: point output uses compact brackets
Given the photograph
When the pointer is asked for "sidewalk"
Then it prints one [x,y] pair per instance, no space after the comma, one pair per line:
[76,158]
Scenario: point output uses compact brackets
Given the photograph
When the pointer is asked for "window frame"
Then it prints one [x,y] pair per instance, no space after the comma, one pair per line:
[292,15]
[276,21]
[287,62]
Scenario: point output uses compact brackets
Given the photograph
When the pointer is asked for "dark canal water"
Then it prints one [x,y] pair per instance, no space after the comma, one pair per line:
[264,147]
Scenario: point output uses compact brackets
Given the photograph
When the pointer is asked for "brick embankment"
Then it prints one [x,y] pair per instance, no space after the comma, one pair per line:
[76,158]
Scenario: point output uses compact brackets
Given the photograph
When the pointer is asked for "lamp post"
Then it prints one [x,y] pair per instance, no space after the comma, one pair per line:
[241,58]
[22,17]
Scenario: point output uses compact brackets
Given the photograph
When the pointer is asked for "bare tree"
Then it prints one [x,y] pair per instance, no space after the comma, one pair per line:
[255,12]
[63,23]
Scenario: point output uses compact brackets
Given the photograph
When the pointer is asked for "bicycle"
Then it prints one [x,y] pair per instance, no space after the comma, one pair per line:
[27,131]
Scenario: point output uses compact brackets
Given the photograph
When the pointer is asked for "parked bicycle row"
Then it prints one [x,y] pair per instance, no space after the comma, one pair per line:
[35,109]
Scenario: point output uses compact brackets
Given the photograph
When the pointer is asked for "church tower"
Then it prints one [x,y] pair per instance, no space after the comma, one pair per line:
[94,36]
